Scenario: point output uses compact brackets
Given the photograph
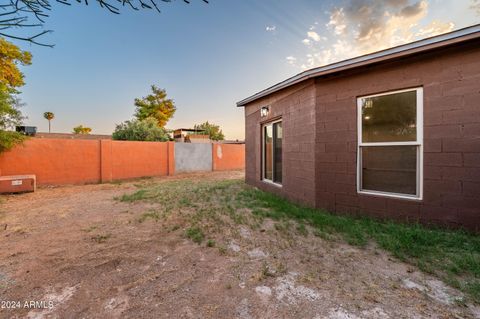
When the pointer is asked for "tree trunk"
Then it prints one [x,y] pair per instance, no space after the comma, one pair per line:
[48,126]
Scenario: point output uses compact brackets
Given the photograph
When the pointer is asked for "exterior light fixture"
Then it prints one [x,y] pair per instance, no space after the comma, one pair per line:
[264,111]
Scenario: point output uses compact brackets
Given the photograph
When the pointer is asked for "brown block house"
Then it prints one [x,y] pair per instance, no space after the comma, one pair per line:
[393,134]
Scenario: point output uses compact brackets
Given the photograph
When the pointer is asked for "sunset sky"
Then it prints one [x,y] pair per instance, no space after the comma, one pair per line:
[208,56]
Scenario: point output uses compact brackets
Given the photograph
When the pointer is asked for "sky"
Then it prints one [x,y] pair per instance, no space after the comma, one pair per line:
[208,56]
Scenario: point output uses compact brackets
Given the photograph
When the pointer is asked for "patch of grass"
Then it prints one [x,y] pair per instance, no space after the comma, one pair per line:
[302,230]
[90,229]
[445,253]
[453,256]
[149,215]
[174,228]
[195,234]
[129,198]
[100,239]
[222,250]
[210,243]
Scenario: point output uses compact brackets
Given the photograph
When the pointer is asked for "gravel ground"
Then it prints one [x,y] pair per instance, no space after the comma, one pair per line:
[79,253]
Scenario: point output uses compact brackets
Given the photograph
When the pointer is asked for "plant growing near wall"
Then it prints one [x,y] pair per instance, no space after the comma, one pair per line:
[49,116]
[140,130]
[211,130]
[81,130]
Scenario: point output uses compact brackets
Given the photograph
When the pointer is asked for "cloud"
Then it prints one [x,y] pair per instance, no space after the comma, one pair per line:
[435,27]
[475,5]
[291,60]
[314,36]
[364,26]
[270,28]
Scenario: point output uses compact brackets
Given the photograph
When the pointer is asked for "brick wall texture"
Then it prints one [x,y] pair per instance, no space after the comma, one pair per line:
[320,138]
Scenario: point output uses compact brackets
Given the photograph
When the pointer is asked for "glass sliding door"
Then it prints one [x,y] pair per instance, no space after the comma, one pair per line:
[268,151]
[272,152]
[277,162]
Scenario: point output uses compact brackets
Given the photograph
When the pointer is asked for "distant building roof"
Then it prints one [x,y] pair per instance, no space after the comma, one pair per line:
[188,130]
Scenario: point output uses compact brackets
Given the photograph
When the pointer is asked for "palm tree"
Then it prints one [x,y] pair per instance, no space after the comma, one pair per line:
[49,116]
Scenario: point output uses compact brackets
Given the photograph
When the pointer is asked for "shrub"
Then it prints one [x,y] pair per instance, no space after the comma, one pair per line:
[140,130]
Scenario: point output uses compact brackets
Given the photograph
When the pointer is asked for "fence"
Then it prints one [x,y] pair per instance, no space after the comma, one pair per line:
[62,161]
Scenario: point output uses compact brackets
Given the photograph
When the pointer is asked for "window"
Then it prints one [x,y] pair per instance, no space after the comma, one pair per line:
[272,152]
[390,144]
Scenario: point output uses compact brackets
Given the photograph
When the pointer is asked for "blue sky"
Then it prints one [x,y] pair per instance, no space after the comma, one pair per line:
[208,56]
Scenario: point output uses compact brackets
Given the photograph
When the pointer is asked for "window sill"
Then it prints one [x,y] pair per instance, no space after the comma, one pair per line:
[269,182]
[391,195]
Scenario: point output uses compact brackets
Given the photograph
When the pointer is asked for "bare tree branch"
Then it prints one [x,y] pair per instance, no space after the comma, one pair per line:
[16,14]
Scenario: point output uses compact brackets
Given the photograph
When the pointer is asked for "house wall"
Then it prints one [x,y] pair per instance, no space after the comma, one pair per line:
[296,107]
[450,81]
[320,138]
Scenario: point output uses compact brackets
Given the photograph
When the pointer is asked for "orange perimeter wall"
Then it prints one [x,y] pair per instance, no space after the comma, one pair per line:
[228,156]
[54,161]
[65,161]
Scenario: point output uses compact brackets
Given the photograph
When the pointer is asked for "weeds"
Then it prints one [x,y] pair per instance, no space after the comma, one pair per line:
[453,256]
[90,229]
[100,239]
[210,243]
[149,215]
[195,234]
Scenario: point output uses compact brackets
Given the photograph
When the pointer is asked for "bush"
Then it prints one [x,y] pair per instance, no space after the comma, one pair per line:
[9,139]
[140,130]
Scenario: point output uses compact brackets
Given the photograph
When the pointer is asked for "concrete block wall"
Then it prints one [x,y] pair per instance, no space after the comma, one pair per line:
[451,138]
[320,138]
[71,161]
[296,107]
[192,157]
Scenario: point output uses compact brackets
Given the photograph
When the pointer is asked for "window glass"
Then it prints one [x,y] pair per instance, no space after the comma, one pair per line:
[278,152]
[268,149]
[389,118]
[389,169]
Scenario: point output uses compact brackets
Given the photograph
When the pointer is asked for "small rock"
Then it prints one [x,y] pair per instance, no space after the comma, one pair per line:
[257,253]
[234,247]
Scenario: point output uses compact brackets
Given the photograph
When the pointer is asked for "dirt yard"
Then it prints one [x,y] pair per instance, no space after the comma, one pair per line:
[168,250]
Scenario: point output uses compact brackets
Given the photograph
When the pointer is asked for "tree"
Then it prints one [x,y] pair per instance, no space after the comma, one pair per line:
[155,105]
[15,14]
[211,130]
[140,130]
[81,130]
[10,57]
[10,116]
[49,116]
[10,79]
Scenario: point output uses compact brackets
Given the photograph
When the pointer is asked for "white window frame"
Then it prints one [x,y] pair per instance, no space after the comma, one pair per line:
[418,143]
[262,162]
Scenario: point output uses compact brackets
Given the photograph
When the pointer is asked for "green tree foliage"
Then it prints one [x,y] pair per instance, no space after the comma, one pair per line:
[212,130]
[10,79]
[10,57]
[82,130]
[140,130]
[49,116]
[155,105]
